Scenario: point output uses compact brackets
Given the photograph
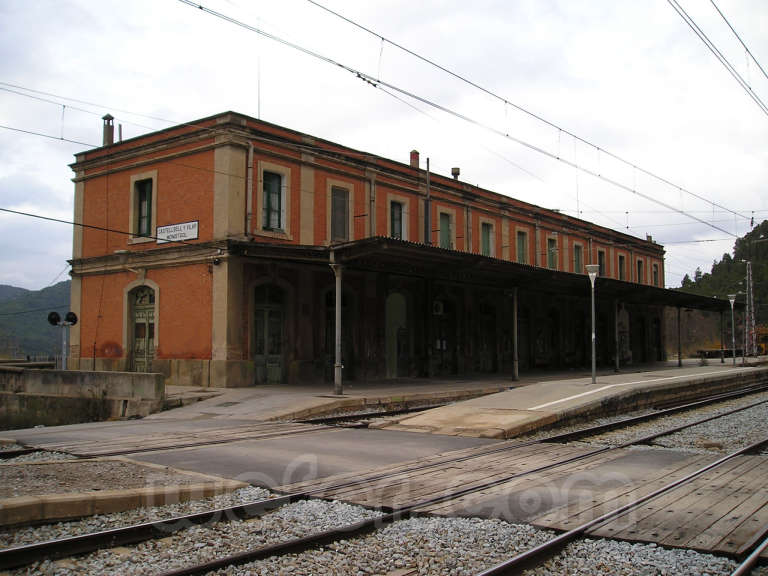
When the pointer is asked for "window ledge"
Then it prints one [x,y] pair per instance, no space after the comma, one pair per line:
[276,233]
[139,240]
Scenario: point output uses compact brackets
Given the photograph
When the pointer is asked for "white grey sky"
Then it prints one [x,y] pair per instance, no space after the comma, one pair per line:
[627,75]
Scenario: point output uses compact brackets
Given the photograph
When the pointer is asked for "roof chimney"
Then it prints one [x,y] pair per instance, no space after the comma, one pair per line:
[109,130]
[455,171]
[414,158]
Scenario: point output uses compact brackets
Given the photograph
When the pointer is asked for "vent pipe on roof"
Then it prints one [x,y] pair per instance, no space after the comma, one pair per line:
[414,158]
[455,171]
[109,130]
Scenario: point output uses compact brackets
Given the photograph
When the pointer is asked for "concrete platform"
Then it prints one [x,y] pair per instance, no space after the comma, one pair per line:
[527,408]
[157,485]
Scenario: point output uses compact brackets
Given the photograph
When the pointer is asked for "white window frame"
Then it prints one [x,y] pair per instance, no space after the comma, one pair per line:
[404,203]
[133,209]
[492,240]
[349,187]
[284,231]
[527,251]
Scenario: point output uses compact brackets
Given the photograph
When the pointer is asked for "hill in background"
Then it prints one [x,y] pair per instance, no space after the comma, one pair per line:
[24,328]
[728,275]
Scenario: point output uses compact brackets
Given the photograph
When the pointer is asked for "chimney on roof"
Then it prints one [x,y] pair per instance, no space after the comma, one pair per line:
[109,130]
[414,158]
[649,238]
[455,171]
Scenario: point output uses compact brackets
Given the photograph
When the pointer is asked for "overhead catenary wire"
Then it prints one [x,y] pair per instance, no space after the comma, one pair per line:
[377,83]
[518,107]
[109,230]
[752,56]
[719,55]
[33,310]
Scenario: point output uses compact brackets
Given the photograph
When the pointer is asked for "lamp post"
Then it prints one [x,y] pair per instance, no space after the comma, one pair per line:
[732,299]
[592,271]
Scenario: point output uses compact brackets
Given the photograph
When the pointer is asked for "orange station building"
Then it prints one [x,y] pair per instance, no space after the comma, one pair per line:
[211,251]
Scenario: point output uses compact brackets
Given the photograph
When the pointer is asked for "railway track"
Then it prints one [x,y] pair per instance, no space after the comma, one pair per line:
[23,555]
[535,556]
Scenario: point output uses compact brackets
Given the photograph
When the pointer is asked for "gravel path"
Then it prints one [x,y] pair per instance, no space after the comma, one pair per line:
[99,522]
[83,476]
[201,543]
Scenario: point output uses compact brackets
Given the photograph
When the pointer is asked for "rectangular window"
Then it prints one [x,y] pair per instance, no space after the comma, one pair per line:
[552,253]
[578,259]
[486,236]
[272,214]
[639,271]
[601,262]
[622,274]
[339,214]
[655,274]
[445,230]
[522,247]
[143,207]
[396,220]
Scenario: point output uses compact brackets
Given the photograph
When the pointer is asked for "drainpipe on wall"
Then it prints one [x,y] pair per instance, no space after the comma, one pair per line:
[372,208]
[249,191]
[427,215]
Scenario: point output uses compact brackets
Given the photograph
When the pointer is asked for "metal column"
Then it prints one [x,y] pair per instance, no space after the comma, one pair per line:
[515,357]
[722,338]
[679,342]
[616,332]
[338,387]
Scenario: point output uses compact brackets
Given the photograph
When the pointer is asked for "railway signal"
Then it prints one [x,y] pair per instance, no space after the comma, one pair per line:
[70,319]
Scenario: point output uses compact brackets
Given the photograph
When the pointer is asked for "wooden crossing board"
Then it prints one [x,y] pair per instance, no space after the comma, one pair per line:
[407,487]
[719,512]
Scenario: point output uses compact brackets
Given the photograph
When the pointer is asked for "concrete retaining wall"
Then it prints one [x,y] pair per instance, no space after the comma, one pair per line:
[55,397]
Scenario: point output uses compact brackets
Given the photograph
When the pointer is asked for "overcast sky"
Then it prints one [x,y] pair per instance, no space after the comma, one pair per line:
[626,75]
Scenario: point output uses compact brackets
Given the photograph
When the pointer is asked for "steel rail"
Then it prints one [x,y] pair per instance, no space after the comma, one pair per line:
[321,538]
[76,545]
[544,551]
[750,561]
[85,543]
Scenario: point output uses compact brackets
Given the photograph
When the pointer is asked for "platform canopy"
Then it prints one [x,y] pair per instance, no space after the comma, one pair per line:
[393,256]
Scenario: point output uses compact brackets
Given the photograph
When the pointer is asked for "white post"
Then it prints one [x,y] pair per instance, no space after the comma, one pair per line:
[592,271]
[338,387]
[732,299]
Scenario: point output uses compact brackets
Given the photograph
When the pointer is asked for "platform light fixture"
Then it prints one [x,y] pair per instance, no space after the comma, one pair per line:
[592,271]
[732,299]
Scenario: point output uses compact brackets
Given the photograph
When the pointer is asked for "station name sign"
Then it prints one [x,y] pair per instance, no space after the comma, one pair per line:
[177,232]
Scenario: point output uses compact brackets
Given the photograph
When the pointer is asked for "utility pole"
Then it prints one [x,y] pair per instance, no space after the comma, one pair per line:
[751,331]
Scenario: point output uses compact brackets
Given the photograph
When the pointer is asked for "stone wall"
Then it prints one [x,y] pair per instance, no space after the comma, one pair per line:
[55,397]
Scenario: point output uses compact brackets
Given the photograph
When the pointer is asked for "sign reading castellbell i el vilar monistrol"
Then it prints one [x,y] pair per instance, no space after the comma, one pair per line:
[177,232]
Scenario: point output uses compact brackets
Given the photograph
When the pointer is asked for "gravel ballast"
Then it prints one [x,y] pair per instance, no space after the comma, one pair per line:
[589,557]
[439,546]
[722,434]
[39,456]
[84,476]
[198,544]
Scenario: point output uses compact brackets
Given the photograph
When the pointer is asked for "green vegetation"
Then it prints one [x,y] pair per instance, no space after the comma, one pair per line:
[24,328]
[728,276]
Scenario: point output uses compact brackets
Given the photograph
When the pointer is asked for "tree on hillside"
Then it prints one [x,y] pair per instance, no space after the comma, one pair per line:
[728,275]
